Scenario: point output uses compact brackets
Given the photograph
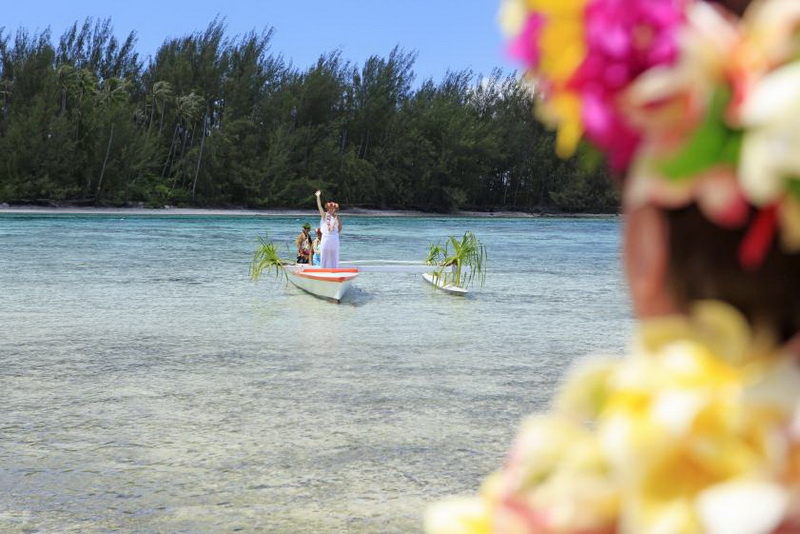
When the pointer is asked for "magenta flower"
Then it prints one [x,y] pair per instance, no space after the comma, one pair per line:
[624,39]
[525,47]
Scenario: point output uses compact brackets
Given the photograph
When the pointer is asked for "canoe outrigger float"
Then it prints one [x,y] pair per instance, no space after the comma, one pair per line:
[437,280]
[329,284]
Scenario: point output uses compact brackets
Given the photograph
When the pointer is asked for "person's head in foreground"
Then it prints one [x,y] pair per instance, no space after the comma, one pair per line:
[306,228]
[331,207]
[697,106]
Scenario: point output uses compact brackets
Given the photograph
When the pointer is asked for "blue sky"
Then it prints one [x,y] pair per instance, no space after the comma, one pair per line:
[445,33]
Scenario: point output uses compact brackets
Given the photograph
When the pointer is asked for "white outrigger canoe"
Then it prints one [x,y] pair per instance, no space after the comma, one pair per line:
[438,282]
[325,283]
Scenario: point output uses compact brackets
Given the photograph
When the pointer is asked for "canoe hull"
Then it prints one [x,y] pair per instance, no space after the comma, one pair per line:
[331,284]
[437,283]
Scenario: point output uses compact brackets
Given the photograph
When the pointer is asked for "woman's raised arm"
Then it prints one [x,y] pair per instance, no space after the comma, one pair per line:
[319,203]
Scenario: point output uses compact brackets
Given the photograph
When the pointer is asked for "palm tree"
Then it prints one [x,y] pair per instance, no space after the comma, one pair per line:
[160,95]
[112,92]
[188,108]
[200,156]
[460,266]
[85,84]
[68,79]
[6,91]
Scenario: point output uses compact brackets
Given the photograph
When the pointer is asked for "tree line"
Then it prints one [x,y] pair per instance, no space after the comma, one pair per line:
[211,120]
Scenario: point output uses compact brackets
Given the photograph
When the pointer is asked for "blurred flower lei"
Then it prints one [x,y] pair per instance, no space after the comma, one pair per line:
[697,431]
[695,104]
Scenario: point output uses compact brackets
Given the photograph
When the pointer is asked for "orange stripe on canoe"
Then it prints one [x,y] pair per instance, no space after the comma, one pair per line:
[337,279]
[342,270]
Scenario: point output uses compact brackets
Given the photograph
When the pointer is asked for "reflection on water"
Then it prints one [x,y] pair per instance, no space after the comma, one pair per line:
[149,386]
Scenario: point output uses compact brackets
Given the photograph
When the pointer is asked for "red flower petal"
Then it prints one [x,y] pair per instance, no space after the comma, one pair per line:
[758,239]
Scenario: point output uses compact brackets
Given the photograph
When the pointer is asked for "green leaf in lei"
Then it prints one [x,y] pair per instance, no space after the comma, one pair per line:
[711,144]
[793,186]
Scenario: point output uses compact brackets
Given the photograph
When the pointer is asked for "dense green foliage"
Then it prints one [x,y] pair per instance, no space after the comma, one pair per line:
[217,121]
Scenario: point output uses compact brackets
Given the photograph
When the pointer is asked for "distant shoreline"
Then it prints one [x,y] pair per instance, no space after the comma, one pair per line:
[354,212]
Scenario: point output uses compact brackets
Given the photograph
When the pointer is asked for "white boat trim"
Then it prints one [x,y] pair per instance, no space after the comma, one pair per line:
[438,284]
[387,266]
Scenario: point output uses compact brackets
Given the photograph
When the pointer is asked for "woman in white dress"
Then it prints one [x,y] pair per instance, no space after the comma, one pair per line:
[331,226]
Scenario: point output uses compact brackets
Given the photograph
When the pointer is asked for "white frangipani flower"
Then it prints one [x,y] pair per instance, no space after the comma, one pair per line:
[770,152]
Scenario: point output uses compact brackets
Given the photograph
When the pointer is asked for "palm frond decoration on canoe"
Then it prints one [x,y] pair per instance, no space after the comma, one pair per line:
[459,261]
[267,259]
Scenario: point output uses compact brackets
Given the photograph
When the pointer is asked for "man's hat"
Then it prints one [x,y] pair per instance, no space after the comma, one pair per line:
[307,226]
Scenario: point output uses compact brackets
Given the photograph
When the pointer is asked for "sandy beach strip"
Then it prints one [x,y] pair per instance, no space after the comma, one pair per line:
[353,212]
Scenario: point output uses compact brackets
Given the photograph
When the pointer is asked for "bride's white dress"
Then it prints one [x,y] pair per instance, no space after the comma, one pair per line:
[329,255]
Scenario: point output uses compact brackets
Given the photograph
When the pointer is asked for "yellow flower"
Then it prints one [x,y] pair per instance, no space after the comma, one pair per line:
[541,447]
[790,223]
[511,16]
[770,30]
[587,391]
[556,480]
[743,506]
[697,431]
[563,111]
[694,412]
[463,515]
[563,41]
[562,48]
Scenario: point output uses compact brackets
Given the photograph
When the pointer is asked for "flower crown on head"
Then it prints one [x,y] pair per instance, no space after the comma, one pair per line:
[696,104]
[329,205]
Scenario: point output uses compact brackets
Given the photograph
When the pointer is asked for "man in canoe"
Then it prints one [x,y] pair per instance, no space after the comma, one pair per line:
[303,243]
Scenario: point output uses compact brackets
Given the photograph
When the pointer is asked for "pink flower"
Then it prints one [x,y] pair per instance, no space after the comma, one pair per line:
[525,47]
[624,39]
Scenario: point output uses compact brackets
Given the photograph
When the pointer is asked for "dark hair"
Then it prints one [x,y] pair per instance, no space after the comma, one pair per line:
[704,264]
[736,6]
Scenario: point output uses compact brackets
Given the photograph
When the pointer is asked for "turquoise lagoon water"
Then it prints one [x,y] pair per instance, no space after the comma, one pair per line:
[148,386]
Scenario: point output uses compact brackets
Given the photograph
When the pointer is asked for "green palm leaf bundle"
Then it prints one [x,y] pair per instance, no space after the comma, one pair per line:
[266,259]
[459,261]
[436,255]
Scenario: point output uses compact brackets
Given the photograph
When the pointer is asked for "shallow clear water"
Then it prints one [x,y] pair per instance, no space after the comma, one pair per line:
[148,386]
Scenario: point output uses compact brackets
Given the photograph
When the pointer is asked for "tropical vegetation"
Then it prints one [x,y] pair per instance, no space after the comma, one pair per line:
[220,121]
